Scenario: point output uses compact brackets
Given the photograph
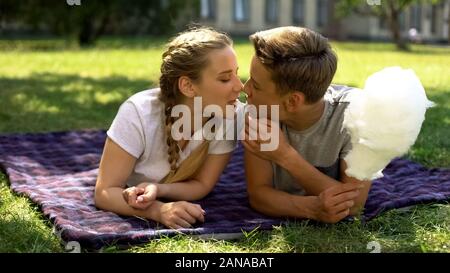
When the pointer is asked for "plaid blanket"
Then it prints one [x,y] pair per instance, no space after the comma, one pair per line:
[58,172]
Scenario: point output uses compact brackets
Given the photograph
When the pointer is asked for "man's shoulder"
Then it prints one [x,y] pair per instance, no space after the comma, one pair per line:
[340,94]
[337,99]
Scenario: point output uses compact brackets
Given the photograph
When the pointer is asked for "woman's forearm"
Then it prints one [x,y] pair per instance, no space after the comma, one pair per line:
[187,191]
[111,199]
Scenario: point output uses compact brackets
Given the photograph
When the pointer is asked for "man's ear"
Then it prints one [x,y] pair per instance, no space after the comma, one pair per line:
[293,101]
[186,86]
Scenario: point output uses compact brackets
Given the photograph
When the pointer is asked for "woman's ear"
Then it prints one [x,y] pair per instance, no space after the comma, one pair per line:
[293,100]
[186,86]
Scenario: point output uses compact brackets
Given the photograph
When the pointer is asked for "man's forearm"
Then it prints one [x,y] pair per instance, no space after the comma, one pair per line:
[309,177]
[277,203]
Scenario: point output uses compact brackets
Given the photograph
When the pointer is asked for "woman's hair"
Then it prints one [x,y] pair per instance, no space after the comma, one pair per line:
[186,55]
[299,59]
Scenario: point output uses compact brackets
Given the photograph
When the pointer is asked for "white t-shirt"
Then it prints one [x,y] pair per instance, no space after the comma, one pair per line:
[138,128]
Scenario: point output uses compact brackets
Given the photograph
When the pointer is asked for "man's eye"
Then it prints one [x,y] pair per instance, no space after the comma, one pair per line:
[225,80]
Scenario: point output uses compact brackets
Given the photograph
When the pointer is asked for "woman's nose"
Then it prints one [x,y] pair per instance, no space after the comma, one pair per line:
[246,89]
[238,85]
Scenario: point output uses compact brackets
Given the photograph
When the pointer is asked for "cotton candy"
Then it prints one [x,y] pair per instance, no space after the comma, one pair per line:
[383,120]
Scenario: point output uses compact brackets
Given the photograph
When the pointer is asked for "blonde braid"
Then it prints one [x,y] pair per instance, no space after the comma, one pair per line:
[173,150]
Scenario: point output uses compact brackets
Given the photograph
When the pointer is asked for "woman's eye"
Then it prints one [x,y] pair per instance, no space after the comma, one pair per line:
[253,84]
[225,80]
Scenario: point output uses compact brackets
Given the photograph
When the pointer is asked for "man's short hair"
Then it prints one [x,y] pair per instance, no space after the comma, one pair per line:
[299,59]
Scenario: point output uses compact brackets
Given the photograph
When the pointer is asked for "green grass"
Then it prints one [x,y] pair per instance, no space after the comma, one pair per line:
[50,85]
[395,231]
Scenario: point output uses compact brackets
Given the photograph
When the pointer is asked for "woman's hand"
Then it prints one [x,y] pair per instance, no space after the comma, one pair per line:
[181,214]
[141,196]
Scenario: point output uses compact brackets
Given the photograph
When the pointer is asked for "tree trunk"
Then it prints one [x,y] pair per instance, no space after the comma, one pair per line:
[102,27]
[333,29]
[394,26]
[86,33]
[90,31]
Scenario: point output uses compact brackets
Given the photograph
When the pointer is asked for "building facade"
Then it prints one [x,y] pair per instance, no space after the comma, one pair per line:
[243,17]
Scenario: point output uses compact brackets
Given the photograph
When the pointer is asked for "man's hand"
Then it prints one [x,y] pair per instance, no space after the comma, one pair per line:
[141,196]
[334,203]
[262,131]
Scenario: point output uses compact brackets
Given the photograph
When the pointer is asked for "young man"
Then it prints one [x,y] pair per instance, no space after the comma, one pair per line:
[305,176]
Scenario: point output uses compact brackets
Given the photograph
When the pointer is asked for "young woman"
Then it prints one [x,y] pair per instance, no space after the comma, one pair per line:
[140,151]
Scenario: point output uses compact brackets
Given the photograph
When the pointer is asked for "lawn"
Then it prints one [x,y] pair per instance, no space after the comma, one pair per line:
[49,85]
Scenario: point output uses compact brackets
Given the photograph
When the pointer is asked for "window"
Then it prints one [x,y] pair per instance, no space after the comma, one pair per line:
[416,17]
[272,11]
[434,19]
[208,9]
[298,10]
[402,20]
[322,12]
[382,23]
[241,9]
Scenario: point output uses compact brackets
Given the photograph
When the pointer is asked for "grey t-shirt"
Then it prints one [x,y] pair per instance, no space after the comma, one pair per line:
[323,144]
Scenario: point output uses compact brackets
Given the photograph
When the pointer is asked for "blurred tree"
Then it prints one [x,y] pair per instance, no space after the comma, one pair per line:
[448,22]
[91,18]
[388,10]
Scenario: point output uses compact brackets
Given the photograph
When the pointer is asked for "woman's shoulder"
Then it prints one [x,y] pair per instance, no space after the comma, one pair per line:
[146,101]
[144,96]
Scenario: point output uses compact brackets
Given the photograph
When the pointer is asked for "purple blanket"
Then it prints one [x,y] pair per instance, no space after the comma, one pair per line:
[58,172]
